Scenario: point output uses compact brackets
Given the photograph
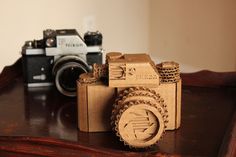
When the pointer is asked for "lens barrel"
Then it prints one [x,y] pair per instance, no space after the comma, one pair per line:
[66,71]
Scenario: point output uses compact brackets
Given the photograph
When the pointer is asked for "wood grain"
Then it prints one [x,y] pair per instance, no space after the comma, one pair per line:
[208,78]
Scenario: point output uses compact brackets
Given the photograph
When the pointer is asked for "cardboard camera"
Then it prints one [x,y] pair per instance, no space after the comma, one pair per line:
[131,96]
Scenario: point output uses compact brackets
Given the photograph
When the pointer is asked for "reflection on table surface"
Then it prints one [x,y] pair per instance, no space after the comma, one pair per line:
[44,112]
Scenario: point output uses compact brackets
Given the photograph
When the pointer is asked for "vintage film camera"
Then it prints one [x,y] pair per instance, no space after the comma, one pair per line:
[131,95]
[60,57]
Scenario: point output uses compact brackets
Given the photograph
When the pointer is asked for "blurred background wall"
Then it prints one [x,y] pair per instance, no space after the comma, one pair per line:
[199,34]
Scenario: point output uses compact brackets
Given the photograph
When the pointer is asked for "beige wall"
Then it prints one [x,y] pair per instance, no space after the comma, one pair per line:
[199,34]
[123,23]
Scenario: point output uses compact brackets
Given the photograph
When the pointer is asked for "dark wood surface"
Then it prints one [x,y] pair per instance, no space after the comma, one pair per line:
[41,122]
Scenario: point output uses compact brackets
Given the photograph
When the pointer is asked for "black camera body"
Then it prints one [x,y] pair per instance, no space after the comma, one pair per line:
[59,58]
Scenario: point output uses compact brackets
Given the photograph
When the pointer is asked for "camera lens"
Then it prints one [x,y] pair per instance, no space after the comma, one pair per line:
[68,76]
[67,71]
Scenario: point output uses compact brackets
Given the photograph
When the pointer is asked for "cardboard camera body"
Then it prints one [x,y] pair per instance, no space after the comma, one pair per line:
[131,96]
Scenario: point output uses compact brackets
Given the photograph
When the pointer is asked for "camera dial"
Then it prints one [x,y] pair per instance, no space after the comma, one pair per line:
[93,38]
[50,42]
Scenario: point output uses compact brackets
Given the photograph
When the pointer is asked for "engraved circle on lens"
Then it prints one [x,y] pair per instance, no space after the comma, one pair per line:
[141,125]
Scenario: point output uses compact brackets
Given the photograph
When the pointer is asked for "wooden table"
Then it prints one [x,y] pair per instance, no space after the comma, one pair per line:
[41,122]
